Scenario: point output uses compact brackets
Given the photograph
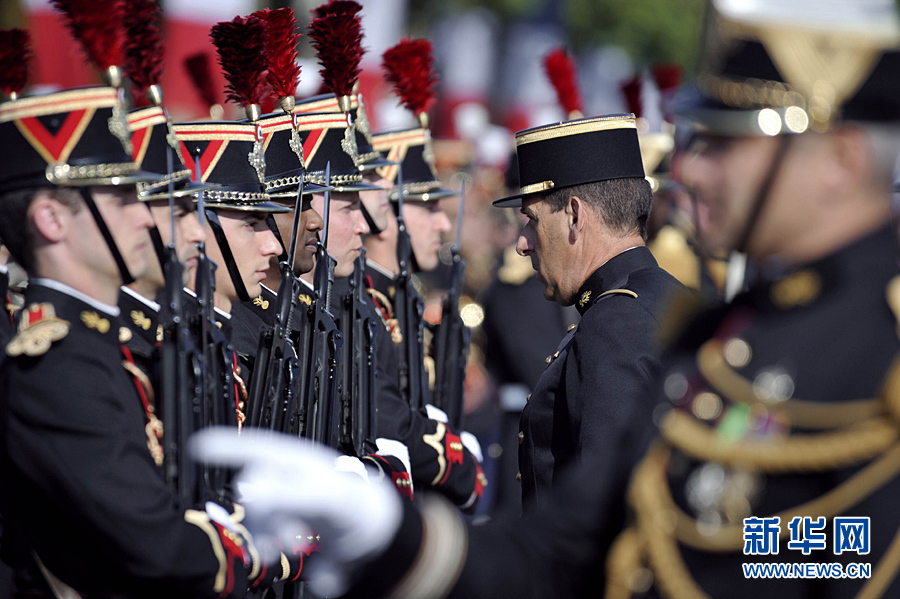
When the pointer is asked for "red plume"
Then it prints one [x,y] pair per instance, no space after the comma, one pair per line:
[143,47]
[336,34]
[632,92]
[199,71]
[97,24]
[667,77]
[409,66]
[560,69]
[241,44]
[337,7]
[15,60]
[281,50]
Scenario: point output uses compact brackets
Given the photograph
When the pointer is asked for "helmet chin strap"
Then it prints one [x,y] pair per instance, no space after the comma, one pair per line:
[227,255]
[88,198]
[373,228]
[270,222]
[762,194]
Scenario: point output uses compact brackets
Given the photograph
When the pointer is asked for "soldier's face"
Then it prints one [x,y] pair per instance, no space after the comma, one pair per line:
[307,234]
[544,239]
[426,223]
[188,233]
[346,226]
[376,201]
[252,244]
[726,175]
[129,222]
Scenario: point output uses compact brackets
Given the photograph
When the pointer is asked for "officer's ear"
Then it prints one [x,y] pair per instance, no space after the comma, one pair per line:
[575,214]
[49,216]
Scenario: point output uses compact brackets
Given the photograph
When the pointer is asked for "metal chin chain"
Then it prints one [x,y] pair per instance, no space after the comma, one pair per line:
[88,198]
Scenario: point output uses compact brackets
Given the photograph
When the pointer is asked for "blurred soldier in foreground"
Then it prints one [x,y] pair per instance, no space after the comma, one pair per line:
[785,400]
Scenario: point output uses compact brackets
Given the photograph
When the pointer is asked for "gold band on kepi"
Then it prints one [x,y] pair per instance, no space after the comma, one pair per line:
[152,138]
[231,156]
[75,137]
[574,153]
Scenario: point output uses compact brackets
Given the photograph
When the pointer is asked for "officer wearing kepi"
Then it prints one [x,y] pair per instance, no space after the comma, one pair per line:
[586,199]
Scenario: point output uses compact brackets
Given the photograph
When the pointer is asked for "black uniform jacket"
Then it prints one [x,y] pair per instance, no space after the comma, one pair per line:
[600,378]
[820,341]
[80,489]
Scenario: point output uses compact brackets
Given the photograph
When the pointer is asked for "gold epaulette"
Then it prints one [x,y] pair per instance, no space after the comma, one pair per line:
[38,329]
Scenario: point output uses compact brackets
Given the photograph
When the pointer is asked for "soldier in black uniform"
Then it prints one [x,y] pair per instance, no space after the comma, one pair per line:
[83,499]
[585,237]
[139,300]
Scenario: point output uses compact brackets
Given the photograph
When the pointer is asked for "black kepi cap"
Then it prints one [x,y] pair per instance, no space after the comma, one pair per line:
[574,153]
[77,137]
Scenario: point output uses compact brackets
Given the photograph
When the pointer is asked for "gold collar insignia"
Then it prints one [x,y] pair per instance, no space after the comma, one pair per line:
[141,320]
[585,298]
[259,301]
[92,320]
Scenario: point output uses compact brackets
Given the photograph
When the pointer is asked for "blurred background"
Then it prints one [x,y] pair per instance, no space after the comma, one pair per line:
[489,56]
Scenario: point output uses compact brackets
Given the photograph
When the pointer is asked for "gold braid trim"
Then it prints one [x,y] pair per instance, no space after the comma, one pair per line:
[625,571]
[655,525]
[836,501]
[805,414]
[797,453]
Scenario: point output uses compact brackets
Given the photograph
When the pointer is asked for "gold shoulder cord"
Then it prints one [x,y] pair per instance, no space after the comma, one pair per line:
[855,432]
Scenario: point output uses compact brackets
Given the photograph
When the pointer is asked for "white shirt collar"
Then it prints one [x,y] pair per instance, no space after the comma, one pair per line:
[4,268]
[381,269]
[218,310]
[63,288]
[147,302]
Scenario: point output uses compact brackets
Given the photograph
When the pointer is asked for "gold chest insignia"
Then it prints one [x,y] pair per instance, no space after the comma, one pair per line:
[38,329]
[141,320]
[92,320]
[585,298]
[797,289]
[259,301]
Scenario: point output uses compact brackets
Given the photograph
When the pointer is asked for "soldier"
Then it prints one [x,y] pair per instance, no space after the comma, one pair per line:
[138,301]
[83,500]
[6,316]
[589,213]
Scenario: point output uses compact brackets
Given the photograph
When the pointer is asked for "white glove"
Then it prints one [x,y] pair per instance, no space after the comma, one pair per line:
[435,413]
[289,486]
[471,443]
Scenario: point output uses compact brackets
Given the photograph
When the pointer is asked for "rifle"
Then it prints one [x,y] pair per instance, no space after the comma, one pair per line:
[358,402]
[181,378]
[272,389]
[451,342]
[409,307]
[321,347]
[218,401]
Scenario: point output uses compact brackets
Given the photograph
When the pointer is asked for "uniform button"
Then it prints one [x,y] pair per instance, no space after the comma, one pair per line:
[528,397]
[521,437]
[548,360]
[571,328]
[518,477]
